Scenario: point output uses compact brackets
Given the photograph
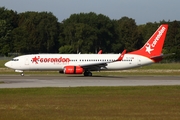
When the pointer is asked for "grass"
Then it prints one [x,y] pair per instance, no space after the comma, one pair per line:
[2,62]
[93,103]
[174,66]
[1,82]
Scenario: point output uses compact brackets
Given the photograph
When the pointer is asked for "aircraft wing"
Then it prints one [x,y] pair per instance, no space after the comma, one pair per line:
[99,64]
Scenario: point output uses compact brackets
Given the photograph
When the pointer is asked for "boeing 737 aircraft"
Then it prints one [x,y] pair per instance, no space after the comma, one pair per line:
[85,63]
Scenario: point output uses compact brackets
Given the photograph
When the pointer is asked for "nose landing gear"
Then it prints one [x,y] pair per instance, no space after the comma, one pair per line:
[22,74]
[20,71]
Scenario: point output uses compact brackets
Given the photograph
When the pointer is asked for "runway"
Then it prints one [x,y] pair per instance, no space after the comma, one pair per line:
[16,81]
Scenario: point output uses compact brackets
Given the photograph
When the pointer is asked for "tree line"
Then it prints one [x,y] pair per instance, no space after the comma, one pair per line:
[40,32]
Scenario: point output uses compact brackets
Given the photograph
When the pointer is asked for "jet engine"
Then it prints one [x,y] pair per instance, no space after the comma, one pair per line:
[73,70]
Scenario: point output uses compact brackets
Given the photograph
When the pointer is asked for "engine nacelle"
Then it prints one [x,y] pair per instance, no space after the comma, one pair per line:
[73,70]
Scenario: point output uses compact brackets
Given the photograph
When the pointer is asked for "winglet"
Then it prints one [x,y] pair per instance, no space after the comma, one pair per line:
[100,52]
[121,56]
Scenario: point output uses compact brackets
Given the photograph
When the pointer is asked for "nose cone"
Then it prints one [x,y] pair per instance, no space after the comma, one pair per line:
[8,64]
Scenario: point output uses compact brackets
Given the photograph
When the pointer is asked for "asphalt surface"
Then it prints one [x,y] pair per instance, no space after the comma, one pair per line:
[16,81]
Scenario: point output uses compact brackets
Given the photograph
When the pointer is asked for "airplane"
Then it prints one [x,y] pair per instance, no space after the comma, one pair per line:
[150,53]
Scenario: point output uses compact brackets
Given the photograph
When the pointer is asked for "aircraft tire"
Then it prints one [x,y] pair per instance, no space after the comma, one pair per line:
[87,73]
[22,74]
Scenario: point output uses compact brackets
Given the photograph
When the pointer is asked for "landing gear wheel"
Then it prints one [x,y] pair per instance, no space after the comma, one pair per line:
[22,74]
[87,73]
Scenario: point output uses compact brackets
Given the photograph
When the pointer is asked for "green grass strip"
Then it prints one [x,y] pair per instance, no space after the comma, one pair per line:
[93,103]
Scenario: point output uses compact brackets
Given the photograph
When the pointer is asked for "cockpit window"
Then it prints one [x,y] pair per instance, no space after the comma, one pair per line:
[15,60]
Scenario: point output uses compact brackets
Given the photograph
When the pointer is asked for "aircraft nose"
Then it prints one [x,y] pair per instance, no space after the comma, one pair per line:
[8,64]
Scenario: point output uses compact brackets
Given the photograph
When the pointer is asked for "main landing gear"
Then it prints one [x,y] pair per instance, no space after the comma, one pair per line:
[87,73]
[22,74]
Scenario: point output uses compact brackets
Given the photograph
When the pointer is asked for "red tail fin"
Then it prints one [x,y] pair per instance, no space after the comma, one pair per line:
[153,47]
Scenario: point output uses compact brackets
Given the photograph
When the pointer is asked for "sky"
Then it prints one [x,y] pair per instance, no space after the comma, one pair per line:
[142,11]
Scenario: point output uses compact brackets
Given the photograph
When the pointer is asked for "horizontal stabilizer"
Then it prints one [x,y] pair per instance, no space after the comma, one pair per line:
[160,57]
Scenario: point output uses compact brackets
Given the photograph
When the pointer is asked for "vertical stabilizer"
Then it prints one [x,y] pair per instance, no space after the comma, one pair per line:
[153,47]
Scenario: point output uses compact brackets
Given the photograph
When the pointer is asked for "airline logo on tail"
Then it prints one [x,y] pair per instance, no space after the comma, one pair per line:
[153,47]
[149,47]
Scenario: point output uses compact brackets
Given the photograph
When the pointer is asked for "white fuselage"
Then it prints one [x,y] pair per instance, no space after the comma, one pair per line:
[59,61]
